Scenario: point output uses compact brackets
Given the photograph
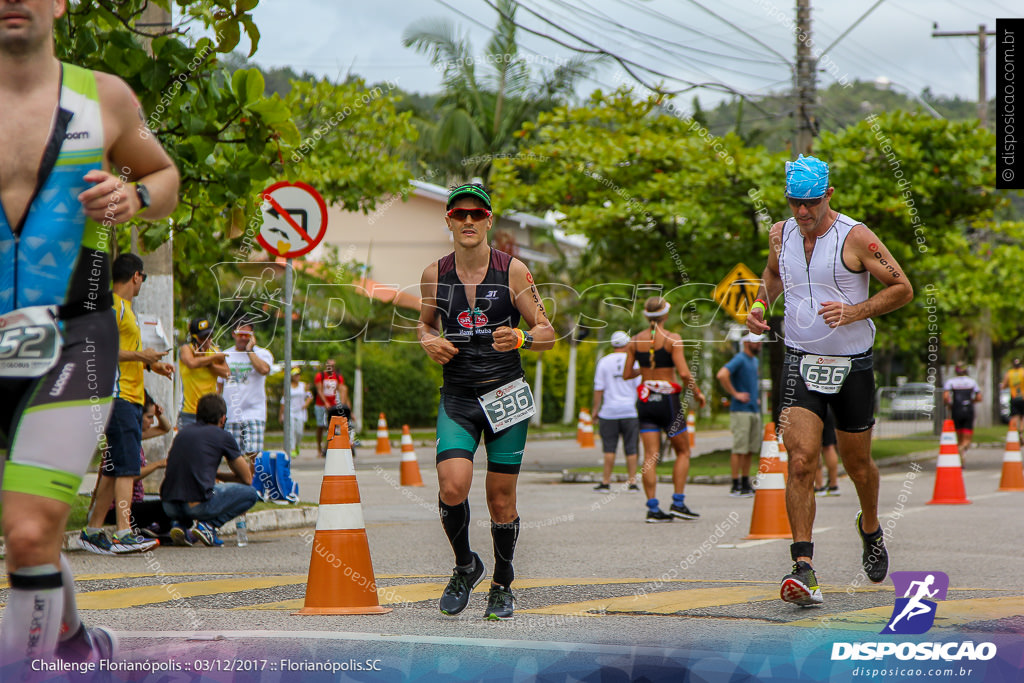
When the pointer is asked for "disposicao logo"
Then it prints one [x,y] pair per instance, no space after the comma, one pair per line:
[913,614]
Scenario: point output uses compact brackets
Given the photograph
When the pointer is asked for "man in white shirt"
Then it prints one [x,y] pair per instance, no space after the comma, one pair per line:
[245,390]
[615,407]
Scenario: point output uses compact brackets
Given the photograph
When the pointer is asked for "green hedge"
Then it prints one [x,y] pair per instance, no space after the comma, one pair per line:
[402,382]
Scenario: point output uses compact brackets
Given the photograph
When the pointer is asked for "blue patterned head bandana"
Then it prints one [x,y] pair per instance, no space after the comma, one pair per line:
[806,178]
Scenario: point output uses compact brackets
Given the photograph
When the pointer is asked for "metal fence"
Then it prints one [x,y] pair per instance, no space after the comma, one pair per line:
[903,411]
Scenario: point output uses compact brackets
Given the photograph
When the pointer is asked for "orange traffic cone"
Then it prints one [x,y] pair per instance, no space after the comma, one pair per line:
[341,579]
[769,518]
[1013,469]
[410,467]
[949,477]
[691,428]
[585,430]
[383,442]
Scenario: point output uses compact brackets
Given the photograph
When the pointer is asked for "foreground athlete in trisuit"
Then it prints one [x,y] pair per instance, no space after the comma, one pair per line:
[62,130]
[823,262]
[473,300]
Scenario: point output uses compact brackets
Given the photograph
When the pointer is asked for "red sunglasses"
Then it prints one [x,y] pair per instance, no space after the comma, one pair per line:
[462,214]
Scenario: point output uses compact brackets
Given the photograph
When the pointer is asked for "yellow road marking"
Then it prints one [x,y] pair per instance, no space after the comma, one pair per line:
[949,613]
[149,595]
[666,602]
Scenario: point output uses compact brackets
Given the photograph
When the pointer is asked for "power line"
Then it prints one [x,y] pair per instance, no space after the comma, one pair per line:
[628,65]
[742,31]
[619,28]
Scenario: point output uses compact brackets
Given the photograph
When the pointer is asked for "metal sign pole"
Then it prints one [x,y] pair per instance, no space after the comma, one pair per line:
[288,357]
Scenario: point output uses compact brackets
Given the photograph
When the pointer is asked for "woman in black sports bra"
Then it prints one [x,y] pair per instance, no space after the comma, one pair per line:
[659,353]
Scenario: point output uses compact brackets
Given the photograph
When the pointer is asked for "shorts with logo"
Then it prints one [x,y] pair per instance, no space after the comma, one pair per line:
[852,406]
[461,422]
[51,425]
[124,440]
[661,412]
[610,430]
[746,431]
[248,434]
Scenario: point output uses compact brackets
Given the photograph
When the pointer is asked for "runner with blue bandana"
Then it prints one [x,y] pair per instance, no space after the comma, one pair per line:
[822,262]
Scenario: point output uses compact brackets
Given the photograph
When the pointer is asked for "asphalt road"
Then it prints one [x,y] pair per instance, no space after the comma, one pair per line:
[599,592]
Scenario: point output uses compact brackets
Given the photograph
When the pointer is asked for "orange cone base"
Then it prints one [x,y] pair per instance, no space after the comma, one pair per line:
[338,582]
[950,481]
[769,518]
[410,473]
[1013,476]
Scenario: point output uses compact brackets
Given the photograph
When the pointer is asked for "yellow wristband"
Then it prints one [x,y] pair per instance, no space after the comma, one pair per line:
[757,305]
[520,338]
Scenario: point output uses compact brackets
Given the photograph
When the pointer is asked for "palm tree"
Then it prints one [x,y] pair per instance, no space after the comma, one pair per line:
[486,98]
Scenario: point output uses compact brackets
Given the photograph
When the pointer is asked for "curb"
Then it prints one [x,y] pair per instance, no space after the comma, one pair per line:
[593,477]
[618,478]
[264,520]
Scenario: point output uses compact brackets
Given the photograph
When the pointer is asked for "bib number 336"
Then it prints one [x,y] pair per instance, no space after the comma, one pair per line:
[508,405]
[824,374]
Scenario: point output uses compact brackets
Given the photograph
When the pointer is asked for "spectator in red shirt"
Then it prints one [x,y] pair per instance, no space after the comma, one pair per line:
[330,391]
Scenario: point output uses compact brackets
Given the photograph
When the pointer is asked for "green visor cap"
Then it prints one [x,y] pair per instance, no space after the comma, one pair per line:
[469,191]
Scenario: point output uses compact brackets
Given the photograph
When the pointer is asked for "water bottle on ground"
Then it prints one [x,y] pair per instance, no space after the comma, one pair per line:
[241,532]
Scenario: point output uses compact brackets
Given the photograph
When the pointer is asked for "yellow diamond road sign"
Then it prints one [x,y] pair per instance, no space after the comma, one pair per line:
[737,290]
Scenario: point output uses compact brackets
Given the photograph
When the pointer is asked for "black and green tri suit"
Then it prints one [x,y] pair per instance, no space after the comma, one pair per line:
[477,368]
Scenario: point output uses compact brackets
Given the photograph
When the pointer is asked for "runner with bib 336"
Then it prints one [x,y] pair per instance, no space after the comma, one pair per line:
[823,261]
[473,299]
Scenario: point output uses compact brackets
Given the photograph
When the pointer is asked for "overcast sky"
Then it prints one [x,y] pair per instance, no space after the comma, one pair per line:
[754,55]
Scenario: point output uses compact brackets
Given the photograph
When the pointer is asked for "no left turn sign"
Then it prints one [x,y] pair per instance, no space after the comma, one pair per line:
[294,219]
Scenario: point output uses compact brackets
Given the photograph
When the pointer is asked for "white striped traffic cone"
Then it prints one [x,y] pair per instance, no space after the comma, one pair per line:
[691,428]
[949,475]
[410,467]
[341,579]
[383,441]
[769,518]
[1013,469]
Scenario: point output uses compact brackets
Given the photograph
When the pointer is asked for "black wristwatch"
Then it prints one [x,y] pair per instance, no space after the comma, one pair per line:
[143,193]
[527,340]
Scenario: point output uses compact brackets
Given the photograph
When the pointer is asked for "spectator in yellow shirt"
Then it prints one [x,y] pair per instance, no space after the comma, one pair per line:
[202,366]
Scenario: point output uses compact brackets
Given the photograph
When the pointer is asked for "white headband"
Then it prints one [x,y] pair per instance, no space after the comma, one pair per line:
[660,312]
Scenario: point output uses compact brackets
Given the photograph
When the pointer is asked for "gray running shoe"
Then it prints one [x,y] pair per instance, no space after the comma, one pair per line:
[500,604]
[456,594]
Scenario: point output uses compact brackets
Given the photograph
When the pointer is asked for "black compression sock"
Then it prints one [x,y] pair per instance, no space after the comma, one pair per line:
[455,520]
[505,536]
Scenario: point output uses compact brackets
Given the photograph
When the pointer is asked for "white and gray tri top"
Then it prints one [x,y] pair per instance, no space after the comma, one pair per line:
[825,278]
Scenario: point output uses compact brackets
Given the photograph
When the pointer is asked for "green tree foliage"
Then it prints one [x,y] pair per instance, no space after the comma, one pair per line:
[660,200]
[486,97]
[228,138]
[926,187]
[224,135]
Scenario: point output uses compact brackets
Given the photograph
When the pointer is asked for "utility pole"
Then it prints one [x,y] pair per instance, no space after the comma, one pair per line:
[804,81]
[985,370]
[157,297]
[981,33]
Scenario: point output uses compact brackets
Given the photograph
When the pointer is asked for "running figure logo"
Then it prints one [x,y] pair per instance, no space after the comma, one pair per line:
[914,613]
